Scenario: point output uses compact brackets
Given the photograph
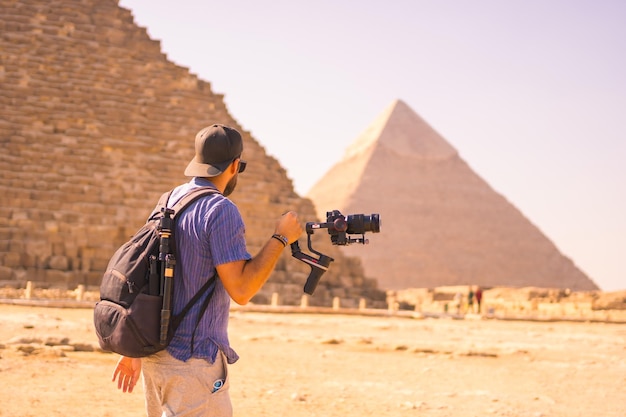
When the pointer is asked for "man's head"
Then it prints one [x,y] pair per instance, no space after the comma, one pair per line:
[217,146]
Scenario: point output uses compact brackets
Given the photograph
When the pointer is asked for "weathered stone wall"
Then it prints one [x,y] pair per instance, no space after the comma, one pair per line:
[96,123]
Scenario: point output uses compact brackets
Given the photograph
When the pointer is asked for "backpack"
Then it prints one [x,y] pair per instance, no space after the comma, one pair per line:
[132,317]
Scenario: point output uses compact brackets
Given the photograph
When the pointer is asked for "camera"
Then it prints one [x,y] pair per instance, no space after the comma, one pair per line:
[339,228]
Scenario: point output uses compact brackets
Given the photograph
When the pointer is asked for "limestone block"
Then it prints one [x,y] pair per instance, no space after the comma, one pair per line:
[17,246]
[98,265]
[338,292]
[70,249]
[11,259]
[346,281]
[51,275]
[279,277]
[6,273]
[93,278]
[58,262]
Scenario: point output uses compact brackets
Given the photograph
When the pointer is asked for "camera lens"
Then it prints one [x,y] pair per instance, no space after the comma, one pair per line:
[375,223]
[361,223]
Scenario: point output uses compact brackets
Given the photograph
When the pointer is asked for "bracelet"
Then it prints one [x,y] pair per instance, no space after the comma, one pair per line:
[282,239]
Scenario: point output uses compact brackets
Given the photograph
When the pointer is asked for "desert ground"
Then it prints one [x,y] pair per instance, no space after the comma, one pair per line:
[336,365]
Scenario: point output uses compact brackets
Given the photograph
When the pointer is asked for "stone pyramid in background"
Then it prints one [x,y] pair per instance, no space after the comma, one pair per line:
[96,123]
[441,224]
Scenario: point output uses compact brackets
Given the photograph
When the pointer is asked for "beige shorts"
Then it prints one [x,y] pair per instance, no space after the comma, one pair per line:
[185,389]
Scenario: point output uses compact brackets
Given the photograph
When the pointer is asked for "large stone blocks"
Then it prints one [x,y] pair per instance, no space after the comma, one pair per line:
[96,125]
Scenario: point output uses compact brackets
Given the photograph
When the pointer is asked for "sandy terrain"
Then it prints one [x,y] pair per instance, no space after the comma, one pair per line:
[334,365]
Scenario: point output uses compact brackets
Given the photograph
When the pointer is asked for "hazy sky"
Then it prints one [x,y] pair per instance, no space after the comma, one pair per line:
[532,93]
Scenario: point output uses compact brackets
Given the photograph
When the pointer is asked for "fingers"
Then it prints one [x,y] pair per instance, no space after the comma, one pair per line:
[121,378]
[127,383]
[130,385]
[126,378]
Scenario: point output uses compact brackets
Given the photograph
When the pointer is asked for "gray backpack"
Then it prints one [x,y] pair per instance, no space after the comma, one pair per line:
[133,317]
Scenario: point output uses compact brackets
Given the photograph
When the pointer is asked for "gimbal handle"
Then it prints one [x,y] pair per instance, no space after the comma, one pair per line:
[318,265]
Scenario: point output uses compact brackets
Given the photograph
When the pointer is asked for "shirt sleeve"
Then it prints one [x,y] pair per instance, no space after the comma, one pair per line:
[226,234]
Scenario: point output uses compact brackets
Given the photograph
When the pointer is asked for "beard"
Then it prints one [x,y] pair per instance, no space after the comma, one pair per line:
[230,187]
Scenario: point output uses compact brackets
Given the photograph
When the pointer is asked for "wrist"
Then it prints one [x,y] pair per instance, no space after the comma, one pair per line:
[282,239]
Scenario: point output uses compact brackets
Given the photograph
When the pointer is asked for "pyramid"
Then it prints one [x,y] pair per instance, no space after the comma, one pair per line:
[441,224]
[96,124]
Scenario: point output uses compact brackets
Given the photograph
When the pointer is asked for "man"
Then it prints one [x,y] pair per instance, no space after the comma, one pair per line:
[479,298]
[190,377]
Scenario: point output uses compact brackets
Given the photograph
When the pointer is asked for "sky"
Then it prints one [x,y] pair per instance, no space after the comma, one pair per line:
[531,93]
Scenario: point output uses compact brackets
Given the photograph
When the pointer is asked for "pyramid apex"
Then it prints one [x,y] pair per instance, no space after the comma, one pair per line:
[403,131]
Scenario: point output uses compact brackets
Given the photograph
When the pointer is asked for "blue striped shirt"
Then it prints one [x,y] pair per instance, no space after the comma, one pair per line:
[209,232]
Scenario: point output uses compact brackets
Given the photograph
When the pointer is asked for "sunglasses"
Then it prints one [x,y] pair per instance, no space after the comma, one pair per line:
[242,165]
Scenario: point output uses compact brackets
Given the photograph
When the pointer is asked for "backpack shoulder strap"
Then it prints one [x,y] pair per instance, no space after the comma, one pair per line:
[192,196]
[176,320]
[180,205]
[160,204]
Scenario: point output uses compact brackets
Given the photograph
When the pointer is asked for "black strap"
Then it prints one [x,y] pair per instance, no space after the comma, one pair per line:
[178,208]
[178,318]
[203,309]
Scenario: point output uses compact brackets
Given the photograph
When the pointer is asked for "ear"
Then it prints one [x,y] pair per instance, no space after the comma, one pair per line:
[234,166]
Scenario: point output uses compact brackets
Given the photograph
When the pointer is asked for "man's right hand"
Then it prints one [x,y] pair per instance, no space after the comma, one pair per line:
[289,226]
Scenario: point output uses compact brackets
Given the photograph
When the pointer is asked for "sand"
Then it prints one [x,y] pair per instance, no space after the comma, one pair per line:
[337,365]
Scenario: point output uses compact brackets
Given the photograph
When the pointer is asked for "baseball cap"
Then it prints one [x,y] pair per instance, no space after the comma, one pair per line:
[217,146]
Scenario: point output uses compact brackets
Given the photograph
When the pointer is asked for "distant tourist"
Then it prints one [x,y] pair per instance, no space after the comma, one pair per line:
[470,300]
[458,301]
[479,298]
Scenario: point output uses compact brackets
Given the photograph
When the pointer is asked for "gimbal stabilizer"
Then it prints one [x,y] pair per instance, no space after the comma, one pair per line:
[338,228]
